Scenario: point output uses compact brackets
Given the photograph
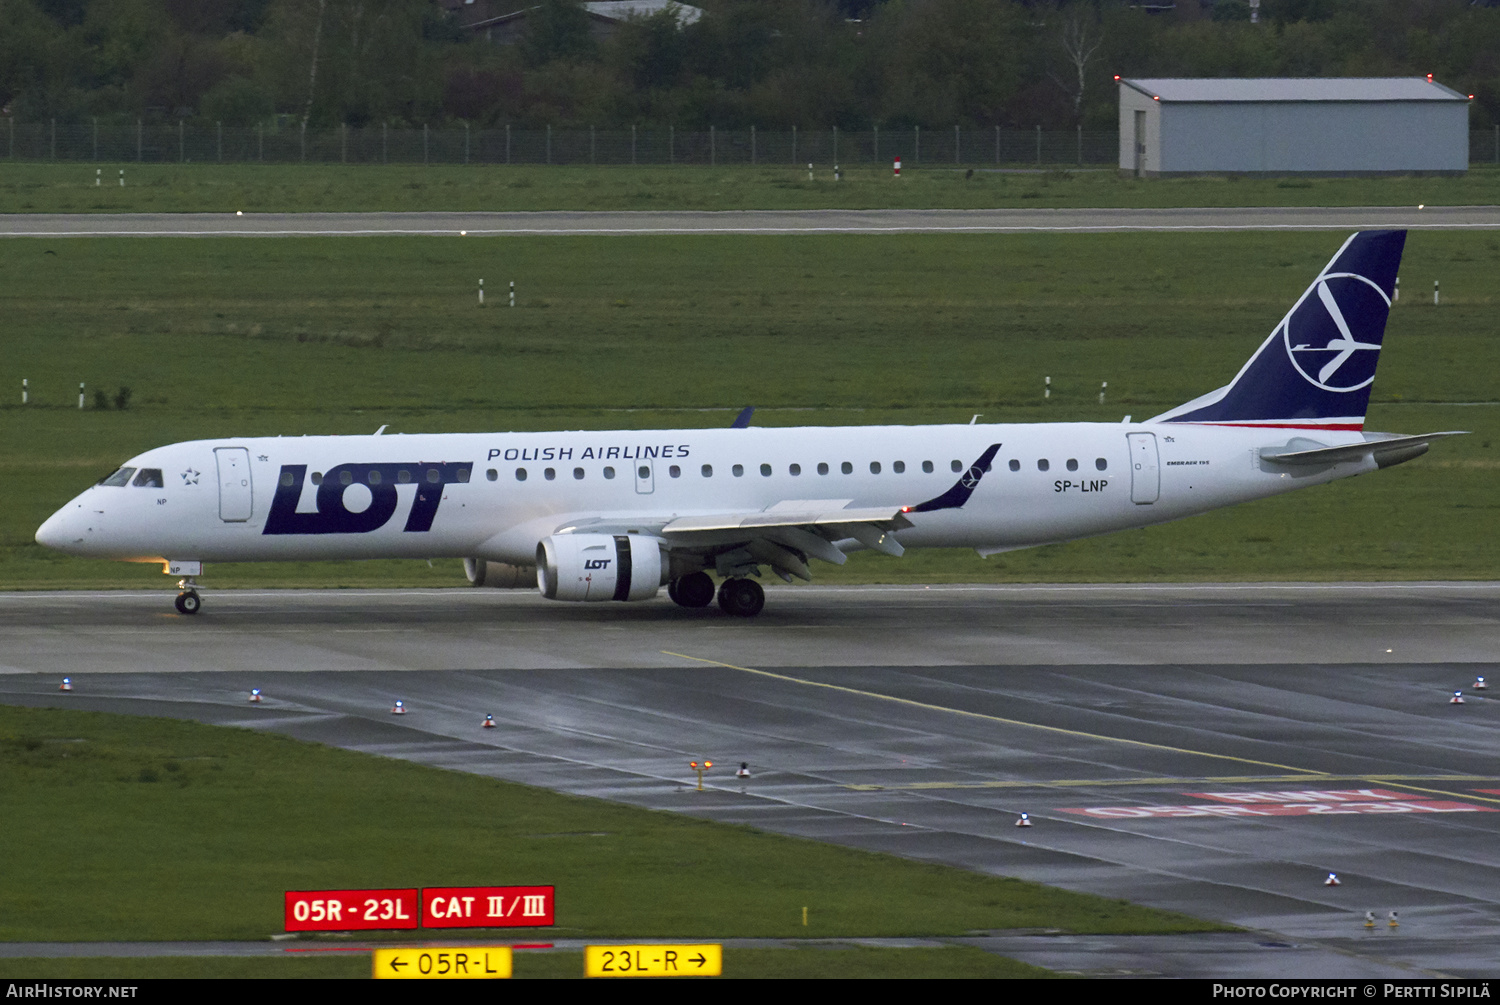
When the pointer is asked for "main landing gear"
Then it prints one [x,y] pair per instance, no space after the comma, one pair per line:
[741,597]
[695,590]
[188,601]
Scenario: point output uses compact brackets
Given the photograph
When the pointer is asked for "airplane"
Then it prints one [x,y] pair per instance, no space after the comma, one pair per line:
[616,515]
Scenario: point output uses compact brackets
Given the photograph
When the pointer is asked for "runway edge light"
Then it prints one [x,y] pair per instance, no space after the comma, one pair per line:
[1332,880]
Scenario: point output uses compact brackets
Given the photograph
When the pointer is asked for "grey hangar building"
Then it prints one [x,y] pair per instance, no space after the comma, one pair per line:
[1292,126]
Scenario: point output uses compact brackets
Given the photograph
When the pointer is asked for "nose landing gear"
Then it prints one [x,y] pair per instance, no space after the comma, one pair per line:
[188,601]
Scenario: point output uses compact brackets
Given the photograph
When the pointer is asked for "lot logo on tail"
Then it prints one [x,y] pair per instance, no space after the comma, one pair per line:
[1319,333]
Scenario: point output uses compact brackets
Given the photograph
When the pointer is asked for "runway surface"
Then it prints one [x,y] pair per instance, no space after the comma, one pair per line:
[836,221]
[1212,749]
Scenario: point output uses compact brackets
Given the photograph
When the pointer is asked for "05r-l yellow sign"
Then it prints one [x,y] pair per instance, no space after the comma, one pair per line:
[447,963]
[653,961]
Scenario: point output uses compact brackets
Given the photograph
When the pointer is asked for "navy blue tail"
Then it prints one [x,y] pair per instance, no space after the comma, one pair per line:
[1316,368]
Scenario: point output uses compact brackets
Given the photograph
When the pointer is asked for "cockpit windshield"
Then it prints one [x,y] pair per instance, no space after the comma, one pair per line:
[120,477]
[148,478]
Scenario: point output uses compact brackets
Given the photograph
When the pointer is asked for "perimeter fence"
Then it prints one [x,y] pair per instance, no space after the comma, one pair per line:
[185,142]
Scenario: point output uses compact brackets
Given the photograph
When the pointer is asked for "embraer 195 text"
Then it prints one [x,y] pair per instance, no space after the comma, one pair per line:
[617,515]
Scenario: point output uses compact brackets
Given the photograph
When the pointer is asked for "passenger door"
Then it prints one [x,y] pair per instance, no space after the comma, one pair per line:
[1145,468]
[236,499]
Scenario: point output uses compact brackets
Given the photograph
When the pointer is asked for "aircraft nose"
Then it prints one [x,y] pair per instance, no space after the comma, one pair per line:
[57,531]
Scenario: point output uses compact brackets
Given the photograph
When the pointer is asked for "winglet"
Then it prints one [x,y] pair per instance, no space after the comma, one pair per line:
[959,494]
[742,421]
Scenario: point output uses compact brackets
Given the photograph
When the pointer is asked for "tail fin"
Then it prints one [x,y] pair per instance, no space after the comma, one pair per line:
[1315,370]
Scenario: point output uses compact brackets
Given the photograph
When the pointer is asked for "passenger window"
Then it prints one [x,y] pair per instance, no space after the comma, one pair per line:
[927,467]
[708,471]
[578,474]
[374,476]
[1100,463]
[149,478]
[609,473]
[765,471]
[492,474]
[346,477]
[549,474]
[675,471]
[847,468]
[795,469]
[644,471]
[434,476]
[462,474]
[899,467]
[738,469]
[1072,464]
[317,478]
[286,479]
[520,474]
[403,476]
[822,467]
[1042,465]
[874,467]
[1015,465]
[957,466]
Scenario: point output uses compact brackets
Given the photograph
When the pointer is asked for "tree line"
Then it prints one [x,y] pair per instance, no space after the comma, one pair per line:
[853,64]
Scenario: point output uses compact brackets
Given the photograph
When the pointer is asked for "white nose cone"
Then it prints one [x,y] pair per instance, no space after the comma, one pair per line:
[53,533]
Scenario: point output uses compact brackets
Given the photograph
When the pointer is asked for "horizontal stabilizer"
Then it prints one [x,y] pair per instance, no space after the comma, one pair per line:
[1298,452]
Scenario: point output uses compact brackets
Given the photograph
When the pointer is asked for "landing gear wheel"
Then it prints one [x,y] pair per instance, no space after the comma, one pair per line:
[188,602]
[695,590]
[741,597]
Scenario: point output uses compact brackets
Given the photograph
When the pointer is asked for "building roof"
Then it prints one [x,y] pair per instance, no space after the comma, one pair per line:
[620,10]
[1225,89]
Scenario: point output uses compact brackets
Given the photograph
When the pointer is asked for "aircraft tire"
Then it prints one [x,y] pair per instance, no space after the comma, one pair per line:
[693,590]
[741,597]
[188,602]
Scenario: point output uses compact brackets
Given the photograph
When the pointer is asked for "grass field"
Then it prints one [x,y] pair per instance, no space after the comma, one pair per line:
[827,962]
[263,188]
[119,827]
[290,336]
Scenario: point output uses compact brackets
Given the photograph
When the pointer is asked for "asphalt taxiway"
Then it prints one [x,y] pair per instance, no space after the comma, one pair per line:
[813,221]
[1217,750]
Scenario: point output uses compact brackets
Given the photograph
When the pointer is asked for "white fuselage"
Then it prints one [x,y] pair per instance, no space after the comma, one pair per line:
[463,495]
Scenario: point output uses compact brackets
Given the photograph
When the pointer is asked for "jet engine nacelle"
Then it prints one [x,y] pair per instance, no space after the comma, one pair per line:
[599,567]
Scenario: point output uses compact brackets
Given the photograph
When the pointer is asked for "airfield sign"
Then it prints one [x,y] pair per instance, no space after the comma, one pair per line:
[487,906]
[350,910]
[446,963]
[705,960]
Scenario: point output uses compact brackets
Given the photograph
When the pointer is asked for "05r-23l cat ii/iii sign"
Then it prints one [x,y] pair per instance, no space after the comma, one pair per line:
[617,515]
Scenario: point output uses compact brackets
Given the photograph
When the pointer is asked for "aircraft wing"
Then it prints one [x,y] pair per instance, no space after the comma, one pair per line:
[1387,449]
[785,535]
